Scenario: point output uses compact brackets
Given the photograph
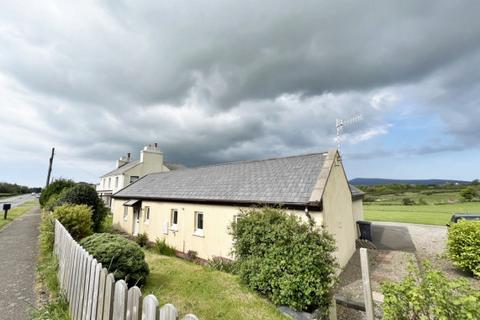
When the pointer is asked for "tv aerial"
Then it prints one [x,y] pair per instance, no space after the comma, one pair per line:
[341,124]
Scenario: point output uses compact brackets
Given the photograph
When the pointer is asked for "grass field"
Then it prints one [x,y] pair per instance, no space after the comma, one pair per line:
[423,214]
[207,293]
[6,195]
[16,212]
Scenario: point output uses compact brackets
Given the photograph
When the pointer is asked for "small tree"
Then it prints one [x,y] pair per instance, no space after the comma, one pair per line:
[85,194]
[468,193]
[289,261]
[54,188]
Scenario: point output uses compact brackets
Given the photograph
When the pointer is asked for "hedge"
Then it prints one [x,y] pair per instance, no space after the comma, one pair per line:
[464,245]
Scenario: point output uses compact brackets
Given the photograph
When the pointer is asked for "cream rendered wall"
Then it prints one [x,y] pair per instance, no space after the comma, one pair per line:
[216,240]
[337,206]
[357,206]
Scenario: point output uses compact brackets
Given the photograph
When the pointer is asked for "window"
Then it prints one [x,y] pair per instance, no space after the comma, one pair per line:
[174,219]
[146,216]
[198,224]
[116,182]
[103,183]
[109,183]
[125,213]
[133,179]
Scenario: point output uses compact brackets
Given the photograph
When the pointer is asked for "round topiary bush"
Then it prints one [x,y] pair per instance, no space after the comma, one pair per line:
[76,219]
[85,194]
[122,257]
[464,245]
[289,261]
[54,188]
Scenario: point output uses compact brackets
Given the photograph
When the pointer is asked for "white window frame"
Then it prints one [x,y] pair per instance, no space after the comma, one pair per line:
[109,183]
[125,213]
[116,182]
[173,226]
[146,215]
[199,232]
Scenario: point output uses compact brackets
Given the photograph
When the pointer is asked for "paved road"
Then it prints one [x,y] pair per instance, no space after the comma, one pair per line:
[18,252]
[17,200]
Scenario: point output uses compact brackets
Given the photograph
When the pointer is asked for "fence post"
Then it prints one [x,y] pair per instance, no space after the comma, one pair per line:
[150,308]
[120,300]
[367,289]
[134,304]
[109,295]
[168,312]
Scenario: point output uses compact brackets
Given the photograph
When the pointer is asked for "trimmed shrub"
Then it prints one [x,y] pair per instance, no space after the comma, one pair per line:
[464,245]
[222,264]
[54,188]
[142,240]
[162,248]
[429,295]
[85,194]
[289,261]
[123,257]
[76,219]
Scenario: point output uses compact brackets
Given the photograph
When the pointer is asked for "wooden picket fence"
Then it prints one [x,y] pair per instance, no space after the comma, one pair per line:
[92,292]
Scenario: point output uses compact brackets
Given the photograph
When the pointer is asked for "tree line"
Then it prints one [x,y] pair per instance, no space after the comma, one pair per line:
[13,188]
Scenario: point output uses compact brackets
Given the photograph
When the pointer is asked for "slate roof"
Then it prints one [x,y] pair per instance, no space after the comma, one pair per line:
[133,163]
[288,180]
[122,169]
[356,193]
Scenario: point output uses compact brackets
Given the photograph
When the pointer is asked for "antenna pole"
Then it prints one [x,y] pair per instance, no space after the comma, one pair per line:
[340,124]
[50,166]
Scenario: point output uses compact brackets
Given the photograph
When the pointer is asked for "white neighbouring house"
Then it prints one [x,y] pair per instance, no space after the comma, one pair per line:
[128,171]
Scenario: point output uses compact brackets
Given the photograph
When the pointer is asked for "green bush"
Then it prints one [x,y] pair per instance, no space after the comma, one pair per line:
[408,201]
[123,257]
[76,219]
[162,248]
[54,188]
[142,240]
[468,193]
[289,261]
[52,203]
[464,245]
[430,295]
[222,264]
[85,194]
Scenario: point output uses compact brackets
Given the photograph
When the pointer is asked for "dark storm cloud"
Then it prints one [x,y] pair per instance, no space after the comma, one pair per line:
[220,80]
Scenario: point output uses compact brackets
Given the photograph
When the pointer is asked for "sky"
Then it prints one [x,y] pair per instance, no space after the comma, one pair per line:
[215,81]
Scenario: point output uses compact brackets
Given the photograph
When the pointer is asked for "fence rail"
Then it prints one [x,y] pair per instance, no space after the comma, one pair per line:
[92,292]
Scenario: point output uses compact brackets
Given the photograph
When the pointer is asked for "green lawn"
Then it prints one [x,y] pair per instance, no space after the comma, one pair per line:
[207,293]
[423,214]
[16,212]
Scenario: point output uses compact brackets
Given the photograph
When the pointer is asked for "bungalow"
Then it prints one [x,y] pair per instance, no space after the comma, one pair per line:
[193,208]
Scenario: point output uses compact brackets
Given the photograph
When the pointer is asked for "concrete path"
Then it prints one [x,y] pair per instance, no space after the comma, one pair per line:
[18,255]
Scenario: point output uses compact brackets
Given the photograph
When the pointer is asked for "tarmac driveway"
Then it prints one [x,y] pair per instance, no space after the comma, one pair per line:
[425,240]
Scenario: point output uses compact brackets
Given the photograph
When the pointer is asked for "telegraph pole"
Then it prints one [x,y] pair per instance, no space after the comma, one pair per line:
[50,167]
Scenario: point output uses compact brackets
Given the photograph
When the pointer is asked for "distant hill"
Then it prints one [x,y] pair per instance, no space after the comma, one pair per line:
[376,181]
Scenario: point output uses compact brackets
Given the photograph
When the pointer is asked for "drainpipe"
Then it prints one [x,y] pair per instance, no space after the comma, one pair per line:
[310,220]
